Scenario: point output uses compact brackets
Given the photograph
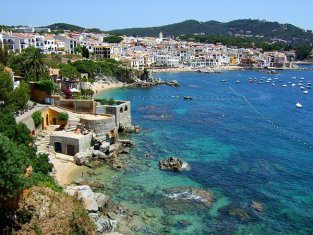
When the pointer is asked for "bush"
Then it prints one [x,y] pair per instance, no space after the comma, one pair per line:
[106,101]
[87,92]
[37,117]
[45,85]
[63,116]
[41,164]
[13,163]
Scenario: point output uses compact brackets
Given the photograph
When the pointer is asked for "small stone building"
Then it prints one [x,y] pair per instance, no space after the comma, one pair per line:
[122,113]
[70,143]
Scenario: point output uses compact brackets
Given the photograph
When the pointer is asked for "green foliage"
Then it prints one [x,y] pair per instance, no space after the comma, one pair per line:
[53,60]
[78,49]
[64,26]
[113,39]
[21,96]
[41,164]
[63,116]
[21,135]
[106,101]
[1,67]
[37,118]
[45,85]
[257,27]
[6,88]
[13,164]
[87,92]
[108,67]
[69,71]
[17,63]
[4,55]
[35,61]
[85,52]
[80,221]
[303,51]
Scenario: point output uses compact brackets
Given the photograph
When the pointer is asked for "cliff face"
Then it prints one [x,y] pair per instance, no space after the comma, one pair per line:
[131,75]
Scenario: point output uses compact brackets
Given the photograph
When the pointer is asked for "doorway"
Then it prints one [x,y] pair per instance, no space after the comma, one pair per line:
[58,147]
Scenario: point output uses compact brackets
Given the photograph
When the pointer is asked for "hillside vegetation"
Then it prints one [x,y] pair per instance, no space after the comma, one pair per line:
[247,27]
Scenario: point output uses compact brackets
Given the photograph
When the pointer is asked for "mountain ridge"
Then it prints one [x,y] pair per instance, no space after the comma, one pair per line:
[240,28]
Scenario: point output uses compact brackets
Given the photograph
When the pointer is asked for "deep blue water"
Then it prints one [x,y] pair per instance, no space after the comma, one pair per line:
[244,141]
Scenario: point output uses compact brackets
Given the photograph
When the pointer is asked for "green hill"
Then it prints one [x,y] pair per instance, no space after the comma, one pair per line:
[71,27]
[239,28]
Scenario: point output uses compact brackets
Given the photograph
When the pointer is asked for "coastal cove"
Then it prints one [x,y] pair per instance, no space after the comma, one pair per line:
[247,144]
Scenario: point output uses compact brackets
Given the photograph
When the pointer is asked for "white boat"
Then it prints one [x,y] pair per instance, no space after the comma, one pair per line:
[294,77]
[302,88]
[305,92]
[237,81]
[302,78]
[298,105]
[293,84]
[273,84]
[284,85]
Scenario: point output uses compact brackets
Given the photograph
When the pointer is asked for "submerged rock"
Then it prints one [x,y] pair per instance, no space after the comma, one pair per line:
[239,213]
[184,193]
[257,206]
[174,164]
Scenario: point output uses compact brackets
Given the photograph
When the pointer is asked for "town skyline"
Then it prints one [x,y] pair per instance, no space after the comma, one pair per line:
[110,15]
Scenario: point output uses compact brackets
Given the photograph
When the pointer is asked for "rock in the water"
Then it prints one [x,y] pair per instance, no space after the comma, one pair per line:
[112,148]
[104,146]
[101,199]
[104,225]
[124,151]
[174,164]
[239,213]
[90,204]
[190,193]
[257,206]
[97,154]
[112,215]
[117,165]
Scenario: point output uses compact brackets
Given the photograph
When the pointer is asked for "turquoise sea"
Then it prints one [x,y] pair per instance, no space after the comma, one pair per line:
[244,141]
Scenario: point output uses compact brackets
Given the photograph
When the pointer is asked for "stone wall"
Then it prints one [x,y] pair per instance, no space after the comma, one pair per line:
[100,126]
[77,106]
[29,122]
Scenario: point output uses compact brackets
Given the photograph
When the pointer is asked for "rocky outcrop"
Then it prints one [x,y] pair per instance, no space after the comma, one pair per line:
[172,83]
[104,152]
[174,164]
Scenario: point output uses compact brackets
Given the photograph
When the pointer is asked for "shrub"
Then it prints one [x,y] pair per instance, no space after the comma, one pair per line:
[36,116]
[41,164]
[13,164]
[45,85]
[63,116]
[106,101]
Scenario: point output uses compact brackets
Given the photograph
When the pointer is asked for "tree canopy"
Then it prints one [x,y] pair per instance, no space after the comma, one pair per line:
[113,39]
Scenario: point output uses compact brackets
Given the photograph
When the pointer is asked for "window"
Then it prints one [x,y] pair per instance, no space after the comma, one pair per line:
[125,108]
[121,109]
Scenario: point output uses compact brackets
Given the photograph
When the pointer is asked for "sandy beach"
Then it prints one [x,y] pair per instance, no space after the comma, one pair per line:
[65,171]
[97,86]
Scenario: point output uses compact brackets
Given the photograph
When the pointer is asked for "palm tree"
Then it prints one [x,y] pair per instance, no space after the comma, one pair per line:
[35,61]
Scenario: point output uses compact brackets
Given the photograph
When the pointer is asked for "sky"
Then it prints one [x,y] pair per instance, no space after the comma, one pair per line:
[116,14]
